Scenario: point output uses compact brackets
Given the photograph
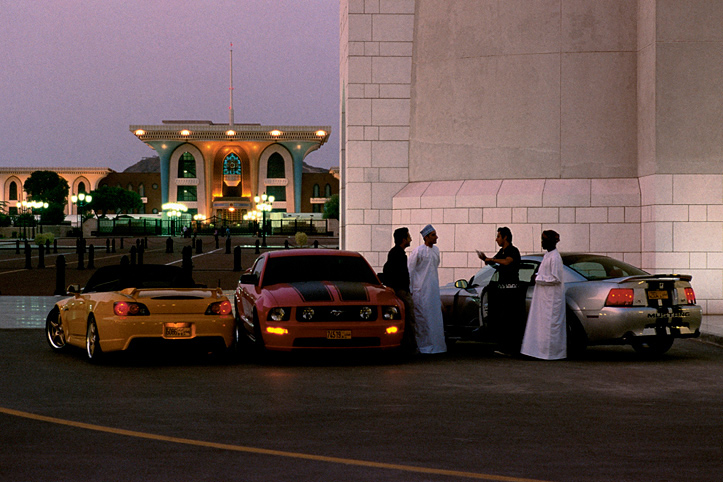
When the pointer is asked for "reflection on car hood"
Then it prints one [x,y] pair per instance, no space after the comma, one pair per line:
[327,292]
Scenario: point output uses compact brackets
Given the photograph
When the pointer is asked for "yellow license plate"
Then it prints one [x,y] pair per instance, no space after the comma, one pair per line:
[338,335]
[178,330]
[657,295]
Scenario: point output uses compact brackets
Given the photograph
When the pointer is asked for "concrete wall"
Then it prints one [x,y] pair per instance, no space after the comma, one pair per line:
[600,119]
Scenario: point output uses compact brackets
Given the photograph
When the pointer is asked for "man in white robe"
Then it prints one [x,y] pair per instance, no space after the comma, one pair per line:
[546,331]
[424,284]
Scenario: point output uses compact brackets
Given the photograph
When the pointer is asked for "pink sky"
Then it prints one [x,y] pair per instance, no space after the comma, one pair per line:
[75,74]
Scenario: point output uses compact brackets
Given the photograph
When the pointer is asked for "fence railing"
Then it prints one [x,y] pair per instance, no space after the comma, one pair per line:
[164,227]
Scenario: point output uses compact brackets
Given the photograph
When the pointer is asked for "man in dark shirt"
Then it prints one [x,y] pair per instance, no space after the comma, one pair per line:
[396,276]
[506,298]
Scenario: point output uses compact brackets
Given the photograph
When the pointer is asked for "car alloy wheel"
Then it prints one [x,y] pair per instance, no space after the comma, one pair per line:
[54,331]
[92,342]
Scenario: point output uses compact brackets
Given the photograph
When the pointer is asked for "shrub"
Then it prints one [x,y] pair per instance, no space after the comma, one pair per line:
[301,239]
[42,238]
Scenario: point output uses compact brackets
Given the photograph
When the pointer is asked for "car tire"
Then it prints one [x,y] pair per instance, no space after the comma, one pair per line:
[653,346]
[576,336]
[258,337]
[484,311]
[54,332]
[92,342]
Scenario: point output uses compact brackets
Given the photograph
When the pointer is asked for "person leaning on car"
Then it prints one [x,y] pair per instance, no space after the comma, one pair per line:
[506,300]
[396,276]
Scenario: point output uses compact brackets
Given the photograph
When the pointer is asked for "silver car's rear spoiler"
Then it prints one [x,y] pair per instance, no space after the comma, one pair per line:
[658,277]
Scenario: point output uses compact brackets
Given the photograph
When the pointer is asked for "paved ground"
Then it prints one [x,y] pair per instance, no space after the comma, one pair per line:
[212,267]
[610,416]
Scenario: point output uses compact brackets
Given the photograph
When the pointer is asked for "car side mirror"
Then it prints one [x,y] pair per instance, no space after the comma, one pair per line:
[249,279]
[461,283]
[73,289]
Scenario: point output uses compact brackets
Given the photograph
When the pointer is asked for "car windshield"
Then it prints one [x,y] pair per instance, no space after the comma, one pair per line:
[116,278]
[292,269]
[593,267]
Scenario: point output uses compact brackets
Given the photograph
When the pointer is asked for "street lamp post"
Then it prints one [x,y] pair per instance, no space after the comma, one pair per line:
[199,218]
[80,201]
[174,211]
[264,204]
[174,215]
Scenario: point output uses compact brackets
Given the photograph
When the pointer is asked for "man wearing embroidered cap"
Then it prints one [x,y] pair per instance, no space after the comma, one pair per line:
[424,284]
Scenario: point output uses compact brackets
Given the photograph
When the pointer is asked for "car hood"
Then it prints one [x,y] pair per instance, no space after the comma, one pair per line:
[334,292]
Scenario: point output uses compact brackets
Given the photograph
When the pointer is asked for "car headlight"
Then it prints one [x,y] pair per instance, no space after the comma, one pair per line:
[279,314]
[391,313]
[365,313]
[307,314]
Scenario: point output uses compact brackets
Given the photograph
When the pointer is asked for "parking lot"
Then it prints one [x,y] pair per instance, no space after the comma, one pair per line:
[359,416]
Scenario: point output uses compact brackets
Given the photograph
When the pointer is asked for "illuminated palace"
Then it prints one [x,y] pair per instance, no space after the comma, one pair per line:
[219,169]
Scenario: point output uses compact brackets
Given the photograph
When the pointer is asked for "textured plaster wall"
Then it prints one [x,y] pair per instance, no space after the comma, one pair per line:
[600,119]
[524,90]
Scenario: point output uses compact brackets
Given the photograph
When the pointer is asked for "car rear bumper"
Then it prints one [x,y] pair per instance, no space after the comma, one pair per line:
[118,334]
[626,324]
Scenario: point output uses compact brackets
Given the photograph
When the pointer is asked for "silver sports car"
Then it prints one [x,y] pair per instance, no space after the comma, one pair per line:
[609,302]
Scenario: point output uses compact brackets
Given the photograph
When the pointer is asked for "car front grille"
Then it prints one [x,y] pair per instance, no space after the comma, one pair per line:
[336,313]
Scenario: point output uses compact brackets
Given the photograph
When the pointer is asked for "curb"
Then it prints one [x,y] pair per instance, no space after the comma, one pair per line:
[712,339]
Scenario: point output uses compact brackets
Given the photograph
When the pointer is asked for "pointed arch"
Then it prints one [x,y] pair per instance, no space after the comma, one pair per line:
[271,162]
[191,188]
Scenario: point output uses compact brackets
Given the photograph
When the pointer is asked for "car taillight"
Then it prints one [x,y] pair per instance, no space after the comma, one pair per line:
[620,297]
[690,296]
[125,308]
[219,308]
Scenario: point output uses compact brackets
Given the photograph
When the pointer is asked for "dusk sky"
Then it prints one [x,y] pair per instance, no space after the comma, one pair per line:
[74,74]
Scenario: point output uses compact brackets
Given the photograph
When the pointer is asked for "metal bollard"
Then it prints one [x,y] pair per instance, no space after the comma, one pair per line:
[133,255]
[187,255]
[17,246]
[286,244]
[169,245]
[228,245]
[55,247]
[91,257]
[60,288]
[41,256]
[112,246]
[258,245]
[316,243]
[237,258]
[107,245]
[141,250]
[199,246]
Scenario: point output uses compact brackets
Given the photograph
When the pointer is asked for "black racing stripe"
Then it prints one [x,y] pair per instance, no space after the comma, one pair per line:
[312,290]
[352,291]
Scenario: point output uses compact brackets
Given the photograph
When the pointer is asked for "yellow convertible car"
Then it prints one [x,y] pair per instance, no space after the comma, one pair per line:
[124,306]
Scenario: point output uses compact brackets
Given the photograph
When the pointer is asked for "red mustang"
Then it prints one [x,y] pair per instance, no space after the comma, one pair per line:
[317,298]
